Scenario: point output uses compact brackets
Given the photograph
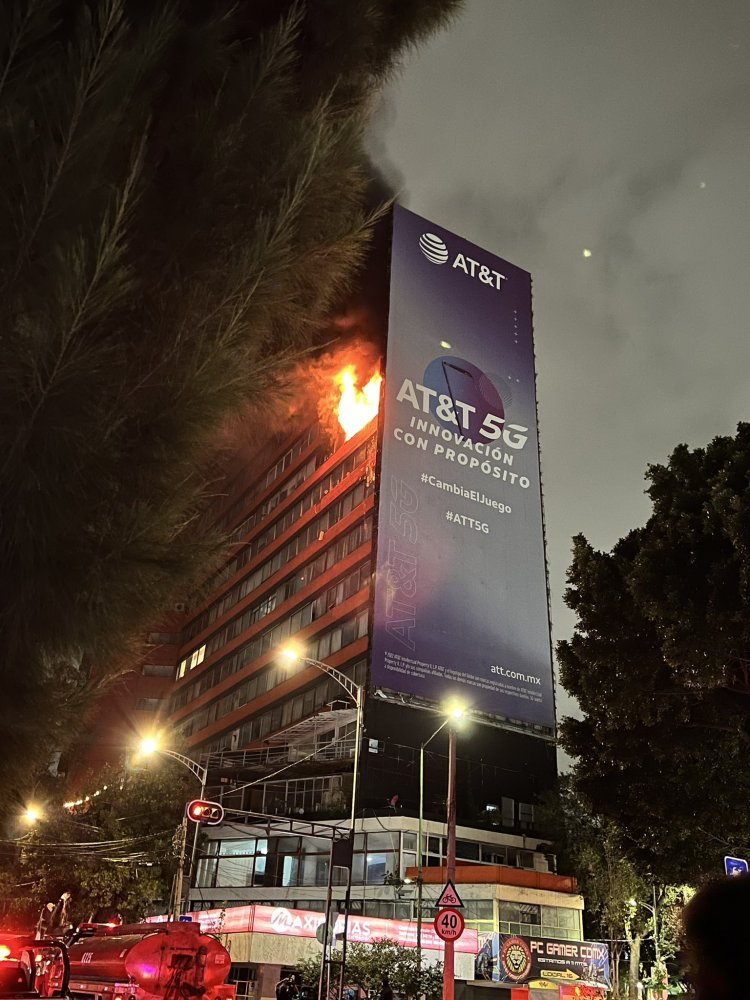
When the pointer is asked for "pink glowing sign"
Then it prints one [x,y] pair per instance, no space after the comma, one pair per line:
[304,923]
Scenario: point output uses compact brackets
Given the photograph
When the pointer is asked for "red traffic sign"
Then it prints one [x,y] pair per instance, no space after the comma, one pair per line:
[449,896]
[449,925]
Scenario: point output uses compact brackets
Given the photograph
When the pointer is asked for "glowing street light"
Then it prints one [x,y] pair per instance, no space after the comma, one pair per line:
[148,746]
[634,904]
[454,712]
[31,814]
[355,692]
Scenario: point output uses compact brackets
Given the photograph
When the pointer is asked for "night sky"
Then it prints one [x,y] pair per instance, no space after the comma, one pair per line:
[604,147]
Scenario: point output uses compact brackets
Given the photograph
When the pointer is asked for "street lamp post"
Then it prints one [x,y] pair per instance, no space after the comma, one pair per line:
[455,713]
[633,903]
[356,693]
[150,746]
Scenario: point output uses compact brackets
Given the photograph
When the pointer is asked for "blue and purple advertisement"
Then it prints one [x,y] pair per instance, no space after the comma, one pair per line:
[461,591]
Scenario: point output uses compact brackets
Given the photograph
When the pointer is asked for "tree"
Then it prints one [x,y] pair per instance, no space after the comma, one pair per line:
[183,204]
[368,964]
[591,848]
[660,665]
[115,853]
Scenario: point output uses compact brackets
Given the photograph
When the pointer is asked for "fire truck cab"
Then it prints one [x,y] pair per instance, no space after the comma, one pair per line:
[29,968]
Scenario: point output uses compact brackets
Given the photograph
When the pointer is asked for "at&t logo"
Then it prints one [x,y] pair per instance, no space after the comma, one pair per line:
[433,248]
[436,252]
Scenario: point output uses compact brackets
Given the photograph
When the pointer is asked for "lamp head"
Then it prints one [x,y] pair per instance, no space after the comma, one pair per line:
[31,814]
[290,655]
[148,746]
[454,710]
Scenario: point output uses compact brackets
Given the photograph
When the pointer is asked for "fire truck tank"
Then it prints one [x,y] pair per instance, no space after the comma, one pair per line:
[171,959]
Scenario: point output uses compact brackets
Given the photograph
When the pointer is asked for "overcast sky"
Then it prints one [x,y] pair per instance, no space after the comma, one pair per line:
[542,128]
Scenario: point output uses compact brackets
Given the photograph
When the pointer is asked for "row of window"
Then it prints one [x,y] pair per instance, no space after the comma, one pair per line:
[251,616]
[291,861]
[283,714]
[341,634]
[469,850]
[272,502]
[274,635]
[253,580]
[326,560]
[309,499]
[271,474]
[216,674]
[324,601]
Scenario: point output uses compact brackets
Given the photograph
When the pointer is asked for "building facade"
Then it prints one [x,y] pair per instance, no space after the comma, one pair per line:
[279,741]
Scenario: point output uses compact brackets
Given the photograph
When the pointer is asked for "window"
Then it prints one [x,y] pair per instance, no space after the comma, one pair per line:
[467,851]
[519,918]
[376,866]
[561,922]
[148,704]
[525,815]
[382,841]
[197,657]
[245,981]
[508,811]
[157,670]
[493,855]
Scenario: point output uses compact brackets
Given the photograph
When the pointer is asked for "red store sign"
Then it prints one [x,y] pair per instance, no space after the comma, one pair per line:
[304,923]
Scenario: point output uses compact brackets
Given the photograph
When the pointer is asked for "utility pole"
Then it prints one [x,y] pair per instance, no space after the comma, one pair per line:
[178,879]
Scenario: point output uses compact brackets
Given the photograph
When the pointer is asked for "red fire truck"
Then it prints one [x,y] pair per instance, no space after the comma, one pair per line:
[170,961]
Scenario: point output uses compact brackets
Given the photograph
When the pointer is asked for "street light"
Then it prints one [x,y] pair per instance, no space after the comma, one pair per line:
[455,712]
[31,815]
[149,746]
[356,693]
[634,904]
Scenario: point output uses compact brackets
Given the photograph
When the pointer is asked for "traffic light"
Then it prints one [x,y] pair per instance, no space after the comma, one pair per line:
[200,811]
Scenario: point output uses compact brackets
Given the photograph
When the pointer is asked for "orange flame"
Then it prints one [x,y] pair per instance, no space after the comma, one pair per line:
[357,407]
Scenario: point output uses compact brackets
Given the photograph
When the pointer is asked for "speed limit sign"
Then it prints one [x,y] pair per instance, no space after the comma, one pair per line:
[449,925]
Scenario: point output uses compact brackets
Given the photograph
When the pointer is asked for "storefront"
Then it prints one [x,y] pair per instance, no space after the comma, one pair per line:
[266,941]
[542,968]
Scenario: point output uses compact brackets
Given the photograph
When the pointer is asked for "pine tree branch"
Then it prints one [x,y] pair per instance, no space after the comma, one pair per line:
[110,32]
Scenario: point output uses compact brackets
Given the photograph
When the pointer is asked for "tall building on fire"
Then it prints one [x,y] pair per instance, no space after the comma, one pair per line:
[407,552]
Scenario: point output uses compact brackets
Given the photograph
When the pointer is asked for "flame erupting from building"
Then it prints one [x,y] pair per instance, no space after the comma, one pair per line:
[356,407]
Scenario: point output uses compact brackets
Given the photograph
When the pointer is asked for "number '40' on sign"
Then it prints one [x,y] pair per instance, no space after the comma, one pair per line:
[449,925]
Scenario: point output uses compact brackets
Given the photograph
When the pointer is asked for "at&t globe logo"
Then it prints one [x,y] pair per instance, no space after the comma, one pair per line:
[433,248]
[436,252]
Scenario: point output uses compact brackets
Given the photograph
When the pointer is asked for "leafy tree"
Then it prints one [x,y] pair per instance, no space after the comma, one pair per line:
[591,848]
[368,964]
[115,853]
[183,204]
[660,665]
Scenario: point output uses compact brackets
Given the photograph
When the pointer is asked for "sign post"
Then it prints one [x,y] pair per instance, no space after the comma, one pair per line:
[449,924]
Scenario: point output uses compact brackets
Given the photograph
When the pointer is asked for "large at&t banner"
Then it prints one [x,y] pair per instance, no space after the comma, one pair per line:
[461,590]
